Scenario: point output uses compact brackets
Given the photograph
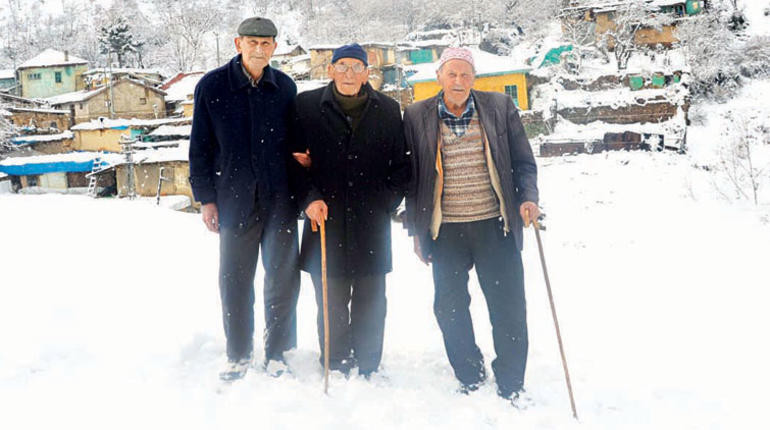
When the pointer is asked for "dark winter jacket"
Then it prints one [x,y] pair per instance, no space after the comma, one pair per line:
[510,150]
[239,144]
[361,175]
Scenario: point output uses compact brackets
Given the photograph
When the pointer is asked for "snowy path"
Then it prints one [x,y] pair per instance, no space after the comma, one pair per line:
[109,318]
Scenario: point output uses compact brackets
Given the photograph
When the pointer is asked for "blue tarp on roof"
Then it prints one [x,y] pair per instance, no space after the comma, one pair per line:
[43,168]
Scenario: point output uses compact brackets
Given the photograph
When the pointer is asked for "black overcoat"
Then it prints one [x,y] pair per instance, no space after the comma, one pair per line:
[239,142]
[362,176]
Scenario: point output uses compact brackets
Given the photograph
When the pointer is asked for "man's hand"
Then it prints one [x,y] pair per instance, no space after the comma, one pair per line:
[210,216]
[529,213]
[317,211]
[427,259]
[303,158]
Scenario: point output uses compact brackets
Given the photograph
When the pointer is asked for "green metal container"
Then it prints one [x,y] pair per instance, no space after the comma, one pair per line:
[658,81]
[636,82]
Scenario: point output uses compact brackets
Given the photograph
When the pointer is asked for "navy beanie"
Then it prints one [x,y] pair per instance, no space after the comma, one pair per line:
[353,50]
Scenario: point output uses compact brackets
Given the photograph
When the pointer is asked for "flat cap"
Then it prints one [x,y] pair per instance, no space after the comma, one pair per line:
[257,26]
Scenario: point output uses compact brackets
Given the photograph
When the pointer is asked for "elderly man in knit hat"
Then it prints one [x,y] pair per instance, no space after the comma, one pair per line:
[351,139]
[474,186]
[239,161]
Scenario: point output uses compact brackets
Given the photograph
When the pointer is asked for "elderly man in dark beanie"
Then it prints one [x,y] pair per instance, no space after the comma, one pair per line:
[357,173]
[238,171]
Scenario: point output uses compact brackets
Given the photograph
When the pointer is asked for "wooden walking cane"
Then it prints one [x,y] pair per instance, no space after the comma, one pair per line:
[537,227]
[325,288]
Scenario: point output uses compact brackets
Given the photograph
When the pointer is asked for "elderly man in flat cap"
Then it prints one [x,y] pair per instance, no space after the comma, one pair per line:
[238,171]
[358,173]
[474,186]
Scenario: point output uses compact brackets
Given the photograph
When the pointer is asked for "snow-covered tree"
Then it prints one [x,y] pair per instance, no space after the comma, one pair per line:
[7,130]
[719,54]
[627,20]
[117,38]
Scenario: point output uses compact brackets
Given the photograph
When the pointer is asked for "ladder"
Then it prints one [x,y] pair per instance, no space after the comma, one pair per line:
[96,168]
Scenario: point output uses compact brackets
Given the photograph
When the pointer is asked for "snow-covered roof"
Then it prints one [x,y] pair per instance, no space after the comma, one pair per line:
[284,49]
[51,57]
[38,110]
[308,85]
[326,47]
[172,130]
[7,74]
[179,90]
[66,162]
[125,123]
[160,144]
[23,140]
[160,155]
[100,70]
[73,97]
[486,65]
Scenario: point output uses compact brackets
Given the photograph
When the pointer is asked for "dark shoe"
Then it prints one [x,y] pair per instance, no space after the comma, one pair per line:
[235,370]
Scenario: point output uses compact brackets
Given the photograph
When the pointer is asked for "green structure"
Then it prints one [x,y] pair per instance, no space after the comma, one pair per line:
[554,55]
[51,73]
[688,7]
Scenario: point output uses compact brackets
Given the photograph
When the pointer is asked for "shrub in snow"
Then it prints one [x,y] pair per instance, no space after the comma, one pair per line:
[743,166]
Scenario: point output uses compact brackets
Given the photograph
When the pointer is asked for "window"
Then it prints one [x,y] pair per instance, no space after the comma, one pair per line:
[34,76]
[143,100]
[32,181]
[513,91]
[57,77]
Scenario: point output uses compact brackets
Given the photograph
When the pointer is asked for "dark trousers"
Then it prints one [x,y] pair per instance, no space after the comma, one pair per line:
[238,255]
[482,244]
[357,332]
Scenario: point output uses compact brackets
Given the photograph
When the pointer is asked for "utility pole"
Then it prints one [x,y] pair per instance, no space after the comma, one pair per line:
[219,62]
[109,84]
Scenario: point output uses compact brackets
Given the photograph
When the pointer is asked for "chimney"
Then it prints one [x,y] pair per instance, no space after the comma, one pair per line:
[66,55]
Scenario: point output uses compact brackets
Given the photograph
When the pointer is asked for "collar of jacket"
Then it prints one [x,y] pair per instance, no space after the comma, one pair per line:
[238,80]
[327,98]
[430,118]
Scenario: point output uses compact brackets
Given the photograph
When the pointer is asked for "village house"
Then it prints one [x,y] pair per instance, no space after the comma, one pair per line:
[493,73]
[64,173]
[34,118]
[126,98]
[105,134]
[7,79]
[602,14]
[151,168]
[51,73]
[286,52]
[179,90]
[94,78]
[46,143]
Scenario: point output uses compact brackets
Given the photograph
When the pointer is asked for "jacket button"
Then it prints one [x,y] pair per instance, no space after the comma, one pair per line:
[350,183]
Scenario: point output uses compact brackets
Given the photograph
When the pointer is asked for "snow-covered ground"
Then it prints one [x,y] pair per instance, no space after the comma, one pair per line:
[110,317]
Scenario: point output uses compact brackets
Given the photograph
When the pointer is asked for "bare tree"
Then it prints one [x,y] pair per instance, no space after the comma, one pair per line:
[738,163]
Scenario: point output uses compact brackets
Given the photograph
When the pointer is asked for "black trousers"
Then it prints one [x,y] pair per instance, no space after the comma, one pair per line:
[458,248]
[355,333]
[276,234]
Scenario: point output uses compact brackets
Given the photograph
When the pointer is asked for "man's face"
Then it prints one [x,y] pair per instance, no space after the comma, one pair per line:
[350,81]
[255,51]
[456,79]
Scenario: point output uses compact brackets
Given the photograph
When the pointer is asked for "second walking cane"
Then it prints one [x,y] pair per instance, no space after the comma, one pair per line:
[314,227]
[536,226]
